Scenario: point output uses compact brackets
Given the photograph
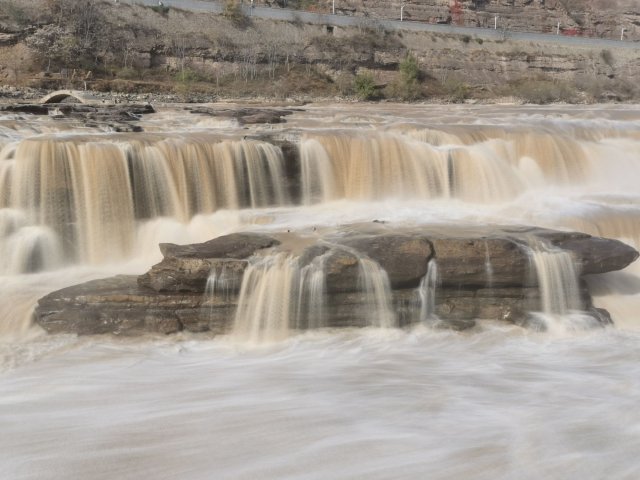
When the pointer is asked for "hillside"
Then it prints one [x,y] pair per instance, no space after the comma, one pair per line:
[196,57]
[595,18]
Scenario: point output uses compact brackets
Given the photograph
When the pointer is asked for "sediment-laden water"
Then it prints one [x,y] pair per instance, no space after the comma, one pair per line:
[498,402]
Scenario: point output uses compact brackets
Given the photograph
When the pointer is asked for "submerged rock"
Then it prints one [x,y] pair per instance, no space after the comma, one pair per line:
[246,116]
[446,276]
[118,118]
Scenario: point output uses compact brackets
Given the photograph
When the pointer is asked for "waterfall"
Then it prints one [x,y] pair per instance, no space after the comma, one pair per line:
[24,247]
[222,282]
[373,281]
[278,295]
[73,197]
[318,176]
[371,167]
[488,266]
[312,301]
[267,302]
[480,173]
[92,194]
[557,279]
[489,166]
[6,167]
[427,293]
[30,249]
[95,192]
[559,155]
[557,276]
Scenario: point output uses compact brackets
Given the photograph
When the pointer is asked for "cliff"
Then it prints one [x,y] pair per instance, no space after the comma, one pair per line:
[593,18]
[138,49]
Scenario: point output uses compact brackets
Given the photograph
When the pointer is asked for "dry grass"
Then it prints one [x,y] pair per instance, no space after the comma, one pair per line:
[149,51]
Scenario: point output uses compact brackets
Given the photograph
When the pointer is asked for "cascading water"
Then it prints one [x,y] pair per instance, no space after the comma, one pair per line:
[488,266]
[372,404]
[427,293]
[490,166]
[279,294]
[369,167]
[557,276]
[312,301]
[558,280]
[94,193]
[267,301]
[374,282]
[222,282]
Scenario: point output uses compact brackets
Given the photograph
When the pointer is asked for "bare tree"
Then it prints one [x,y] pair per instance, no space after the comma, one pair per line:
[53,45]
[85,23]
[179,48]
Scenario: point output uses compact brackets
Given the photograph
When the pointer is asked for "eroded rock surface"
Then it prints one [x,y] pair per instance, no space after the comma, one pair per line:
[118,118]
[186,268]
[483,273]
[245,116]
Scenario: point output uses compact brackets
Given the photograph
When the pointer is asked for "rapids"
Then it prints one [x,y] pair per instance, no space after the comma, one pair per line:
[499,402]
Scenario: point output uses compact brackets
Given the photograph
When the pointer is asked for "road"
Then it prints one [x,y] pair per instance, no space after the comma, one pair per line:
[348,21]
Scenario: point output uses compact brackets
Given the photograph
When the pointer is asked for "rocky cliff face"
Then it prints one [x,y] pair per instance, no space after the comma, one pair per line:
[268,58]
[594,18]
[447,276]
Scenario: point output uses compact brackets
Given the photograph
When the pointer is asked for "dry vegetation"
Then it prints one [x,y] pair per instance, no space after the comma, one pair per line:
[108,46]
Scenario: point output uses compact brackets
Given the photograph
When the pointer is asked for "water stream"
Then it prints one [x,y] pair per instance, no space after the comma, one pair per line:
[281,397]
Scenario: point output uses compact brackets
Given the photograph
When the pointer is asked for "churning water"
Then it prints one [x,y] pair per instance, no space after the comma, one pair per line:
[499,402]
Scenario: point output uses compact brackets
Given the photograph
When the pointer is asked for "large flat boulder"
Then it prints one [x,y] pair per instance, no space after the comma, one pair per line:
[483,273]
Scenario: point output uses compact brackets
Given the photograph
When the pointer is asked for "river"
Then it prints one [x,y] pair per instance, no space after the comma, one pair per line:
[496,402]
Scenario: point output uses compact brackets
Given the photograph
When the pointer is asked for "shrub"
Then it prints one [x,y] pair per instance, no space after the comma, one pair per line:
[404,90]
[543,91]
[607,57]
[234,13]
[128,73]
[345,83]
[17,14]
[456,90]
[364,86]
[161,9]
[407,86]
[409,69]
[189,75]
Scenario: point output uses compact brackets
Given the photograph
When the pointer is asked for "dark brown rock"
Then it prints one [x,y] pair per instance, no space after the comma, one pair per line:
[594,254]
[179,274]
[118,305]
[405,258]
[186,268]
[482,276]
[236,245]
[245,116]
[599,255]
[119,118]
[34,109]
[481,262]
[342,269]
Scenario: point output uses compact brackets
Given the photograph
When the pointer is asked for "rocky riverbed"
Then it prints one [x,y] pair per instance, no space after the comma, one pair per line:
[482,273]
